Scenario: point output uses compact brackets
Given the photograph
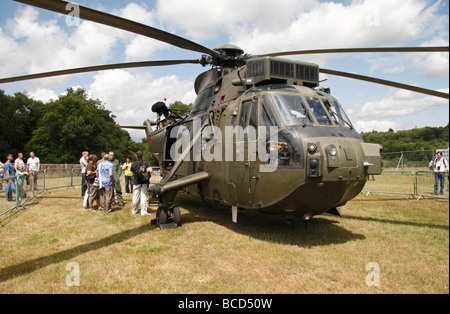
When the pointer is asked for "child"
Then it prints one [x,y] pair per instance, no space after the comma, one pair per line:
[19,175]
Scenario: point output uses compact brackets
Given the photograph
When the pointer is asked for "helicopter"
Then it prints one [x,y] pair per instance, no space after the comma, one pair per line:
[261,135]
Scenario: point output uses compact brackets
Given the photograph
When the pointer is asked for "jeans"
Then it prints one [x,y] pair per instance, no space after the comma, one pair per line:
[10,187]
[439,181]
[129,184]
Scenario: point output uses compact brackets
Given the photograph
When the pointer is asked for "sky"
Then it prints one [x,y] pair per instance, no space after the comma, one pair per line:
[34,40]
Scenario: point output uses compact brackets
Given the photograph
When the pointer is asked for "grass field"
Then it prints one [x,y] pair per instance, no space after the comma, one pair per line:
[121,253]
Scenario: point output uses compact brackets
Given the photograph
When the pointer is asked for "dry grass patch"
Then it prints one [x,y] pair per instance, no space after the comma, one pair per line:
[121,253]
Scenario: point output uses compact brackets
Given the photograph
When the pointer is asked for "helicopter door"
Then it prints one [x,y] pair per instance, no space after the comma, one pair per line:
[246,134]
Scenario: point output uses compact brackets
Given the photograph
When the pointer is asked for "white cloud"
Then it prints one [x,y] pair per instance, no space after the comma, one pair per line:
[377,125]
[202,20]
[139,47]
[30,45]
[131,96]
[399,104]
[43,94]
[433,64]
[399,110]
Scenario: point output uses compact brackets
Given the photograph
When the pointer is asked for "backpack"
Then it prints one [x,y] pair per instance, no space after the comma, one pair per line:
[141,175]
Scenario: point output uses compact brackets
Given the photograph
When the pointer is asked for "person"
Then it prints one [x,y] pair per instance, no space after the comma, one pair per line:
[141,175]
[33,167]
[439,165]
[83,165]
[10,176]
[20,173]
[19,162]
[128,176]
[2,175]
[106,182]
[92,182]
[117,192]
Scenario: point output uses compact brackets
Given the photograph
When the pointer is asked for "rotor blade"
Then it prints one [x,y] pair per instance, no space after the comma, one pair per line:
[121,23]
[385,82]
[132,127]
[98,68]
[357,50]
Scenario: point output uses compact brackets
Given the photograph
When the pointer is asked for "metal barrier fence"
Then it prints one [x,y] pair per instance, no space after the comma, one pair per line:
[35,184]
[20,193]
[426,185]
[418,184]
[392,182]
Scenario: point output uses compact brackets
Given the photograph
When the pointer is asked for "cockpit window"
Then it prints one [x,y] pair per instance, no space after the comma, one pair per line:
[292,109]
[337,113]
[318,110]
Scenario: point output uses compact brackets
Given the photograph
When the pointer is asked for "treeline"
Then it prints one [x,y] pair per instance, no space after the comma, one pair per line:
[427,138]
[58,131]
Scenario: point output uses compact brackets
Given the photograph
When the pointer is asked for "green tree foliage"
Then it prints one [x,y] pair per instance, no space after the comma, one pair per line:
[418,139]
[18,115]
[180,109]
[73,124]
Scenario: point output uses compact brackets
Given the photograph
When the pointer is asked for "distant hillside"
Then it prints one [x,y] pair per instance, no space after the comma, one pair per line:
[416,139]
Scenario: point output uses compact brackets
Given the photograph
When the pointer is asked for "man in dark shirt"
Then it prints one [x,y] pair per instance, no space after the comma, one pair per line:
[141,175]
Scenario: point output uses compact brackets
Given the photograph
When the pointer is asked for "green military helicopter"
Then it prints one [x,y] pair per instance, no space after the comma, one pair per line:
[261,134]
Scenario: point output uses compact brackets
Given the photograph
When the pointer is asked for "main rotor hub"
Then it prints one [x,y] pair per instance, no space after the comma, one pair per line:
[231,56]
[230,50]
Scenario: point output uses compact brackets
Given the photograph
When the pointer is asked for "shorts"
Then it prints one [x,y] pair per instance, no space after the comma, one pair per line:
[93,192]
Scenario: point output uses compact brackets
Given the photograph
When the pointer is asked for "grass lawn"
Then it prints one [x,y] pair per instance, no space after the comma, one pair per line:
[121,253]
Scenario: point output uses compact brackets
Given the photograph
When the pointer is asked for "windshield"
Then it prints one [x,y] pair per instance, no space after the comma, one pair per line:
[338,114]
[318,110]
[292,109]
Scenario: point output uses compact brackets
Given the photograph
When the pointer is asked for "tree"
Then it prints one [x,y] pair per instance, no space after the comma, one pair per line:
[18,115]
[180,109]
[73,124]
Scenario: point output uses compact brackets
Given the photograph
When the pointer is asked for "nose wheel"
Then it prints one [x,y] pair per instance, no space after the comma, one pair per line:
[167,217]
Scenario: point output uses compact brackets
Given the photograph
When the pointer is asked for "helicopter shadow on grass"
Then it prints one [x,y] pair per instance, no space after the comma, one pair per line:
[320,231]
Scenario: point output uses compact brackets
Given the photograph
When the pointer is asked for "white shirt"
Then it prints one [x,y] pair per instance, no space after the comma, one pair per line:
[33,163]
[440,164]
[82,162]
[19,162]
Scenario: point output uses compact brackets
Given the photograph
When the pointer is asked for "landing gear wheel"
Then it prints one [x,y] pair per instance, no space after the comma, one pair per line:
[176,216]
[162,216]
[168,218]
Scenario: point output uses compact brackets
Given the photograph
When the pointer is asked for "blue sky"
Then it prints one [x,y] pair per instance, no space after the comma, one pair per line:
[34,40]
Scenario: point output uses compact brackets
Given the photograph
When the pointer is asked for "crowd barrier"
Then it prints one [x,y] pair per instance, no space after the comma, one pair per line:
[35,184]
[419,185]
[18,200]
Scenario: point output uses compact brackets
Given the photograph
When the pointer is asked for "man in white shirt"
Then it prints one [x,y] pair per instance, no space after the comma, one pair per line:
[440,166]
[19,161]
[33,167]
[83,165]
